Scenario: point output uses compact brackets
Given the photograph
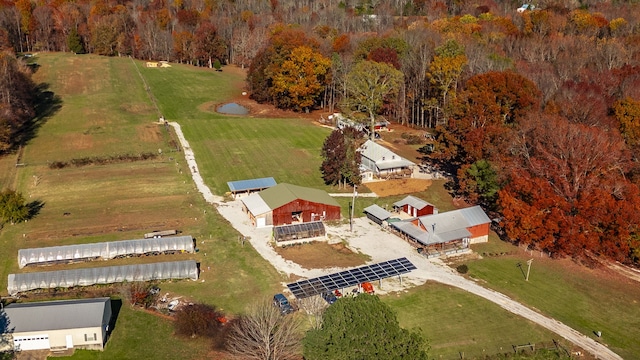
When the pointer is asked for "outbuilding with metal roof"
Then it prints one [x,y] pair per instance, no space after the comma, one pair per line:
[58,325]
[285,204]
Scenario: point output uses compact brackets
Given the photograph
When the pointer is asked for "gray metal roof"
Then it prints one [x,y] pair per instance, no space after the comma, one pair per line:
[55,315]
[377,211]
[104,250]
[444,227]
[251,184]
[102,275]
[383,158]
[413,202]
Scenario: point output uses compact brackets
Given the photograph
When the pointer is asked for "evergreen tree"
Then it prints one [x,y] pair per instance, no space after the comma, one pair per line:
[362,327]
[13,207]
[74,42]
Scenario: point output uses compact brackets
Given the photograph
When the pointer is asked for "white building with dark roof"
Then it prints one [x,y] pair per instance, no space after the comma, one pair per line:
[58,325]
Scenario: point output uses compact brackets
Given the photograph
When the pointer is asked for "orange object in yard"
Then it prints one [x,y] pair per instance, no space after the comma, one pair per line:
[367,287]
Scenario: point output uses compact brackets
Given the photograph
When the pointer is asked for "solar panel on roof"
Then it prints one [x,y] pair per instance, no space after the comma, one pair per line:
[251,184]
[315,286]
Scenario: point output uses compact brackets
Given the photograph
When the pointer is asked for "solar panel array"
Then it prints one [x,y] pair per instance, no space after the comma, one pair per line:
[306,288]
[298,231]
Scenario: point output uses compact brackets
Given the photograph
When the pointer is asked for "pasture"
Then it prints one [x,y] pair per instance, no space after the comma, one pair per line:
[105,111]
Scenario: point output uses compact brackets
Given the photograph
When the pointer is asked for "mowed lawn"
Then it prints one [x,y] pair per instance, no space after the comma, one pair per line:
[587,300]
[236,147]
[461,325]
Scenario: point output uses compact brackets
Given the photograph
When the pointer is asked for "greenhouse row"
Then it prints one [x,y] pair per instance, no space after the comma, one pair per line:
[104,250]
[102,275]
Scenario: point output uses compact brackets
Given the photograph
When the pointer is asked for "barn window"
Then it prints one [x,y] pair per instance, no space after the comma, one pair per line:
[89,337]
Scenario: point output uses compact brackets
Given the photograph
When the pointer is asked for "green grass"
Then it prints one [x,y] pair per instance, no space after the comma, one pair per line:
[584,299]
[456,322]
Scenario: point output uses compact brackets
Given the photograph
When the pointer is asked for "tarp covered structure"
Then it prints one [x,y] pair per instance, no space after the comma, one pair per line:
[102,275]
[104,250]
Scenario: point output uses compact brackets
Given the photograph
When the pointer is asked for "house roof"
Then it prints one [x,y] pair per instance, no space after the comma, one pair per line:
[282,194]
[444,227]
[377,211]
[251,184]
[55,315]
[413,201]
[384,158]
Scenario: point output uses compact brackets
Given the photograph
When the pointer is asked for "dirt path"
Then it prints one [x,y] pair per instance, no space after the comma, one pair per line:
[381,246]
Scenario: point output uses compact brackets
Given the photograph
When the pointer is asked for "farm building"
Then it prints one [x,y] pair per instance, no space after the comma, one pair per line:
[446,232]
[105,250]
[247,187]
[285,204]
[58,325]
[377,214]
[18,283]
[379,162]
[415,207]
[342,122]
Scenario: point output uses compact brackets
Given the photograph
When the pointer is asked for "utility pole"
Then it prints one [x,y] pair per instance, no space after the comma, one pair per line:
[353,206]
[528,269]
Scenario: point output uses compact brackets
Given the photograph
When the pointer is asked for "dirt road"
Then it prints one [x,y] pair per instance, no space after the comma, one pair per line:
[381,246]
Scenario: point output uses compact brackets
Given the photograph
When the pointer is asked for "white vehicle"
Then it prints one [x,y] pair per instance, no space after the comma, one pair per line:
[526,7]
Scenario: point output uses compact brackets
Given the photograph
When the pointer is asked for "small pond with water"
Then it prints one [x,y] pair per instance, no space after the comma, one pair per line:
[233,109]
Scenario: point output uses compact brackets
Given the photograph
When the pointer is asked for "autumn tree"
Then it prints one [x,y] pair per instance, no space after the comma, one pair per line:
[627,112]
[17,102]
[208,45]
[369,85]
[566,191]
[362,327]
[444,72]
[341,164]
[300,79]
[265,334]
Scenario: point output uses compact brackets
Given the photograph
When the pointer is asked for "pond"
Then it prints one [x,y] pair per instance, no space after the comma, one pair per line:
[233,109]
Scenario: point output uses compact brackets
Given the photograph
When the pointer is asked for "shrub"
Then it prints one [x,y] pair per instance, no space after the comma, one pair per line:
[462,269]
[199,320]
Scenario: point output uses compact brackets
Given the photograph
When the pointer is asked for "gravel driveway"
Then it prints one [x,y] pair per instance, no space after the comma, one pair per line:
[380,245]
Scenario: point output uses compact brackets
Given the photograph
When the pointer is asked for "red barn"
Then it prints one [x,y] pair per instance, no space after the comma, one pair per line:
[285,204]
[415,207]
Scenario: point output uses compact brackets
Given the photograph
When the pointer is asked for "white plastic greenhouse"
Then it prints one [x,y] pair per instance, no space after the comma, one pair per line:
[104,250]
[102,275]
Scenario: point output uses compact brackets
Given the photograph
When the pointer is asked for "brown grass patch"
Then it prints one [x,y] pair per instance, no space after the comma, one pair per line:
[78,141]
[321,255]
[149,133]
[398,187]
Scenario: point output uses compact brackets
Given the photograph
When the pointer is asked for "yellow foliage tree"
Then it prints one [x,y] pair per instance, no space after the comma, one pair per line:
[301,79]
[627,111]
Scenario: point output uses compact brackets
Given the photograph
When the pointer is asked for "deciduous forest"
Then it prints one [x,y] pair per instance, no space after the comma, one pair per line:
[534,113]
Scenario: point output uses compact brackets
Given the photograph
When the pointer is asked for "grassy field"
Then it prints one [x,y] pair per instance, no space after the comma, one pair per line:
[105,111]
[460,325]
[588,300]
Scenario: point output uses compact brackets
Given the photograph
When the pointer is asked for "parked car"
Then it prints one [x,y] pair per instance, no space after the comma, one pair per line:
[280,301]
[329,297]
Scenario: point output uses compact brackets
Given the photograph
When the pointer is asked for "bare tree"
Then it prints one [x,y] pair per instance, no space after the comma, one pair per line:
[314,306]
[265,334]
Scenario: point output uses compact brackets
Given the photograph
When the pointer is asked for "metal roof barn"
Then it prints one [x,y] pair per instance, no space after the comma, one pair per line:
[104,250]
[102,275]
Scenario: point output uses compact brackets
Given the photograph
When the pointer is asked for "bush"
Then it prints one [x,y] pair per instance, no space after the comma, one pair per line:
[462,269]
[199,320]
[411,139]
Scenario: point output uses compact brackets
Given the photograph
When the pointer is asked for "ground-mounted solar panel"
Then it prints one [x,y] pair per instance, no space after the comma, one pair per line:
[340,280]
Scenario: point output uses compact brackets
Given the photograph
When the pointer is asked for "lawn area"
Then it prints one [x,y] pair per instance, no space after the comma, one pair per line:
[462,325]
[588,300]
[236,147]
